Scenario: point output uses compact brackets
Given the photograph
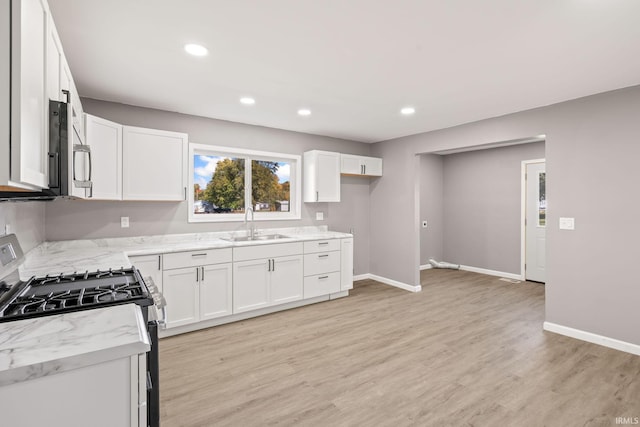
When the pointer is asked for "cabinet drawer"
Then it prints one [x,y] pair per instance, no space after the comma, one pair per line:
[321,246]
[321,262]
[196,258]
[246,253]
[321,284]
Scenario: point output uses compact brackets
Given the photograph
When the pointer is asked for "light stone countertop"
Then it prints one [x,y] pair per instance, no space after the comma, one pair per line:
[34,348]
[92,254]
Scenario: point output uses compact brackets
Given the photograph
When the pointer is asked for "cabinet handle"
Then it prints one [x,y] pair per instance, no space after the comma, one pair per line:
[361,171]
[273,264]
[364,169]
[202,275]
[323,277]
[317,196]
[159,258]
[323,256]
[197,274]
[268,265]
[322,243]
[204,254]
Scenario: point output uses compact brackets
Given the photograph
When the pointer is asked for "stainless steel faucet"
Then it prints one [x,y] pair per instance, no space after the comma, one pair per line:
[251,230]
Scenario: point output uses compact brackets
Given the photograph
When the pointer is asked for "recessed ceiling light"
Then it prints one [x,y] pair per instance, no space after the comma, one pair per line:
[196,49]
[304,112]
[407,111]
[247,100]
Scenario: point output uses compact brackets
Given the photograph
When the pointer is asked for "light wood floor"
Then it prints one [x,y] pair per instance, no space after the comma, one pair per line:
[467,350]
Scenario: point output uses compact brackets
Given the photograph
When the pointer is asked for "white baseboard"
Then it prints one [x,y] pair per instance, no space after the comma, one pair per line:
[425,267]
[387,281]
[592,338]
[491,272]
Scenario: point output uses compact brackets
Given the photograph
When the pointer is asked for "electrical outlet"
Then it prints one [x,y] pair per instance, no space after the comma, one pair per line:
[319,216]
[424,224]
[567,224]
[124,222]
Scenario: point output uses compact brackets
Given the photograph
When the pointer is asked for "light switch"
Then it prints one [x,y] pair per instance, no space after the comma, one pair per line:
[124,222]
[319,216]
[567,224]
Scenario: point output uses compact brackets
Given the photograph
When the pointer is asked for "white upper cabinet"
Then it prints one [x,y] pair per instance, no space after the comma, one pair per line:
[153,164]
[360,165]
[34,71]
[321,172]
[105,139]
[29,100]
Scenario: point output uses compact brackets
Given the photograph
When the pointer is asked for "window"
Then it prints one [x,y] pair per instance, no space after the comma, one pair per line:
[225,181]
[542,200]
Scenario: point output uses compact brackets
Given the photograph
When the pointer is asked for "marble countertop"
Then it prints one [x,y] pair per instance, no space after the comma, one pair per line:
[42,346]
[93,254]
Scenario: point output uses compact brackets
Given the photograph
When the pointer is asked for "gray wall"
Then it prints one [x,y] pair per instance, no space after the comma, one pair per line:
[591,154]
[72,219]
[26,220]
[482,204]
[431,208]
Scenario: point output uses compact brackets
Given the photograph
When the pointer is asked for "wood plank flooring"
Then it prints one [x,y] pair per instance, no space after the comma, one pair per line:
[467,350]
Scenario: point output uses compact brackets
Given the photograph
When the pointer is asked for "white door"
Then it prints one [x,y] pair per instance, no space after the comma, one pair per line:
[153,164]
[180,290]
[105,139]
[216,289]
[250,285]
[328,177]
[535,229]
[350,165]
[149,266]
[346,264]
[286,279]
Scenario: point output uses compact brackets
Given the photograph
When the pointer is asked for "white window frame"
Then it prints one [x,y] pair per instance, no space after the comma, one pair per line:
[295,203]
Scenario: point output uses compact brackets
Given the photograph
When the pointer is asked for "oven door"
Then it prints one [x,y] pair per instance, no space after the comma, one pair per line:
[153,377]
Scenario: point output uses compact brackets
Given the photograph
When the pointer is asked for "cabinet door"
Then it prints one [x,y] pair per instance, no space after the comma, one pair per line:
[286,279]
[346,264]
[250,285]
[54,63]
[350,165]
[216,291]
[149,266]
[180,290]
[153,164]
[30,107]
[105,139]
[328,177]
[321,176]
[372,166]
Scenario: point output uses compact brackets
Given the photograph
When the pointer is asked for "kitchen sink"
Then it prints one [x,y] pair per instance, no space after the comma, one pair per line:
[259,237]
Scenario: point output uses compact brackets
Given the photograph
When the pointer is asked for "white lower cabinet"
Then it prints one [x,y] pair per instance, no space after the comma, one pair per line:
[78,398]
[286,279]
[197,292]
[219,283]
[265,282]
[321,267]
[346,264]
[216,291]
[149,266]
[250,285]
[180,290]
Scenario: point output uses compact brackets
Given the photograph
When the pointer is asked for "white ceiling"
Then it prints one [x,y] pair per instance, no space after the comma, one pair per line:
[354,63]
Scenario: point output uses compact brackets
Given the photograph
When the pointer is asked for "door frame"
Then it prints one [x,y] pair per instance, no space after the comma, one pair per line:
[523,213]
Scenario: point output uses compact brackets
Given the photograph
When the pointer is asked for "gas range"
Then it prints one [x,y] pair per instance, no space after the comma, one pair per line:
[53,294]
[63,293]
